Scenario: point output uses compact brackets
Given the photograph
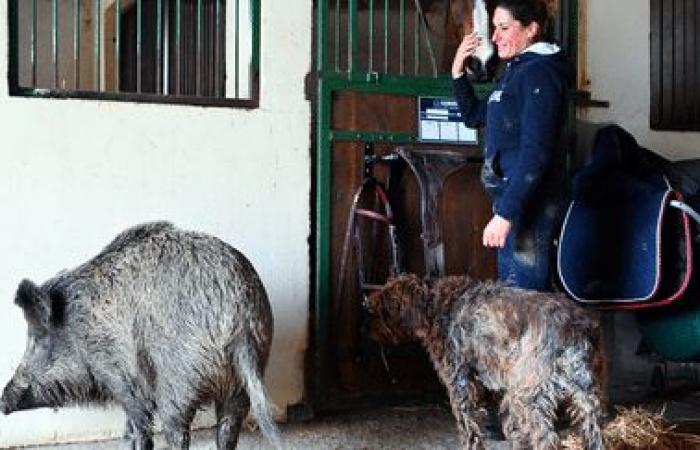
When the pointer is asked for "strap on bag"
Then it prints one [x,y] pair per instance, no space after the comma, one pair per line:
[671,291]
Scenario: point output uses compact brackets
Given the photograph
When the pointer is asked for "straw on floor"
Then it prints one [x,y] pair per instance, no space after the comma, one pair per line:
[638,428]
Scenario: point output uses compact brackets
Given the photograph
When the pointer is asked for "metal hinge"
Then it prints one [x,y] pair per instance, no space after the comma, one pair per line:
[583,100]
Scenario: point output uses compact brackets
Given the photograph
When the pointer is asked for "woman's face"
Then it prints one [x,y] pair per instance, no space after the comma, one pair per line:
[509,35]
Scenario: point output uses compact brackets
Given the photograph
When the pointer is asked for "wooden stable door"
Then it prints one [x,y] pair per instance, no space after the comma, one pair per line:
[361,369]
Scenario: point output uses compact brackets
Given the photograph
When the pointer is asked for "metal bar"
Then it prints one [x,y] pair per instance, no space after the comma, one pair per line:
[426,35]
[139,44]
[133,97]
[353,31]
[255,63]
[336,23]
[691,31]
[159,46]
[13,63]
[167,46]
[98,47]
[76,43]
[117,42]
[398,84]
[370,35]
[237,46]
[321,35]
[696,79]
[217,50]
[178,46]
[323,234]
[198,50]
[386,36]
[416,40]
[372,136]
[54,42]
[679,67]
[34,43]
[402,32]
[656,27]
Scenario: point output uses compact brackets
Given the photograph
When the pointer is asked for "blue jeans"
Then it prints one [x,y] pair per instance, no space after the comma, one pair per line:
[525,259]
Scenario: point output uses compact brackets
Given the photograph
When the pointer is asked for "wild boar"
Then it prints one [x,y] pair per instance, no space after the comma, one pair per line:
[162,322]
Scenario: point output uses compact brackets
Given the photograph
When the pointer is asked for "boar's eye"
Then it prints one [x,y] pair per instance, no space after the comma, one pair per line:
[39,347]
[36,333]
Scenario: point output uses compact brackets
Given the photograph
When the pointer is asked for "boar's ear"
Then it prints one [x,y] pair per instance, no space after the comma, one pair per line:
[34,302]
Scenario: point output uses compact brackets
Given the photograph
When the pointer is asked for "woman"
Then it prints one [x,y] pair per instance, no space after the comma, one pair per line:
[523,116]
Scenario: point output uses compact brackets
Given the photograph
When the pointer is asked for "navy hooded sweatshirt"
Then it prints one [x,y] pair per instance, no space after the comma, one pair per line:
[523,117]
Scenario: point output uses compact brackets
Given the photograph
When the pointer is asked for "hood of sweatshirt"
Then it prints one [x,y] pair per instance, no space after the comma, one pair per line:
[543,51]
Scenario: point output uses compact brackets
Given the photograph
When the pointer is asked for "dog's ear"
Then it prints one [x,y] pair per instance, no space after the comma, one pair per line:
[416,288]
[410,299]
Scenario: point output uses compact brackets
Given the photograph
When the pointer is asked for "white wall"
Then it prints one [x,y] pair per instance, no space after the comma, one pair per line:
[74,173]
[617,41]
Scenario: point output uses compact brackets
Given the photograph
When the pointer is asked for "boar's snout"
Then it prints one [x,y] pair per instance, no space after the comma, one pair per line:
[13,396]
[5,406]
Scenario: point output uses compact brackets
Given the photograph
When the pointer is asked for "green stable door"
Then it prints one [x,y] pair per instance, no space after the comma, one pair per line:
[376,60]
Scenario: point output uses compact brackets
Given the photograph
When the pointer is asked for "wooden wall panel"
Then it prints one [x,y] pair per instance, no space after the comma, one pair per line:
[374,112]
[358,369]
[467,210]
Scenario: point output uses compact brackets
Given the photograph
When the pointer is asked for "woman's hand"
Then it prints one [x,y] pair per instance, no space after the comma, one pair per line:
[466,48]
[496,232]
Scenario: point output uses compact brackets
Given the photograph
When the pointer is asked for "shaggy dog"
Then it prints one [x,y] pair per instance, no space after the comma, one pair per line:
[539,351]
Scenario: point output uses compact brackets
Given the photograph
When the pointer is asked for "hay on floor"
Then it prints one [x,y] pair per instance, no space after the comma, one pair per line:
[637,428]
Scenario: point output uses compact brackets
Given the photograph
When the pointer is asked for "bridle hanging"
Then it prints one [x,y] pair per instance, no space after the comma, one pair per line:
[379,213]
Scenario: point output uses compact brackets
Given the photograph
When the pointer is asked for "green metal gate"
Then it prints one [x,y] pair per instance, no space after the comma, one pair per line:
[372,47]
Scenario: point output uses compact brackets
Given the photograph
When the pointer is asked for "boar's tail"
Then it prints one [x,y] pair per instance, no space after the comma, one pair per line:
[262,408]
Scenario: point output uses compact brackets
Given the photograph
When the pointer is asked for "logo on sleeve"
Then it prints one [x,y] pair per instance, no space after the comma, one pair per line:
[495,97]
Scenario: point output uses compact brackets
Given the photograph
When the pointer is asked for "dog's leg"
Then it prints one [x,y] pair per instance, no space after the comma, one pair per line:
[464,392]
[543,434]
[582,377]
[586,409]
[513,422]
[530,418]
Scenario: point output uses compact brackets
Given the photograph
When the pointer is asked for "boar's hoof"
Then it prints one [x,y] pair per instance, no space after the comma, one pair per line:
[142,444]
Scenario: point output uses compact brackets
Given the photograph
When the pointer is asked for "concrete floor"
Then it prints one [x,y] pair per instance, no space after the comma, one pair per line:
[399,428]
[392,428]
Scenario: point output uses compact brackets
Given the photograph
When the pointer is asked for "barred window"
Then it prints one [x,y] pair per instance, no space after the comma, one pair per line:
[675,65]
[171,51]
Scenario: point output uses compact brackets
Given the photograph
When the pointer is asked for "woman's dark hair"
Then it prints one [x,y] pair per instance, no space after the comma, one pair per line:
[528,11]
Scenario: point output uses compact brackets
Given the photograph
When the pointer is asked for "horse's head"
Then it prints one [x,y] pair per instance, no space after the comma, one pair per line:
[464,17]
[482,65]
